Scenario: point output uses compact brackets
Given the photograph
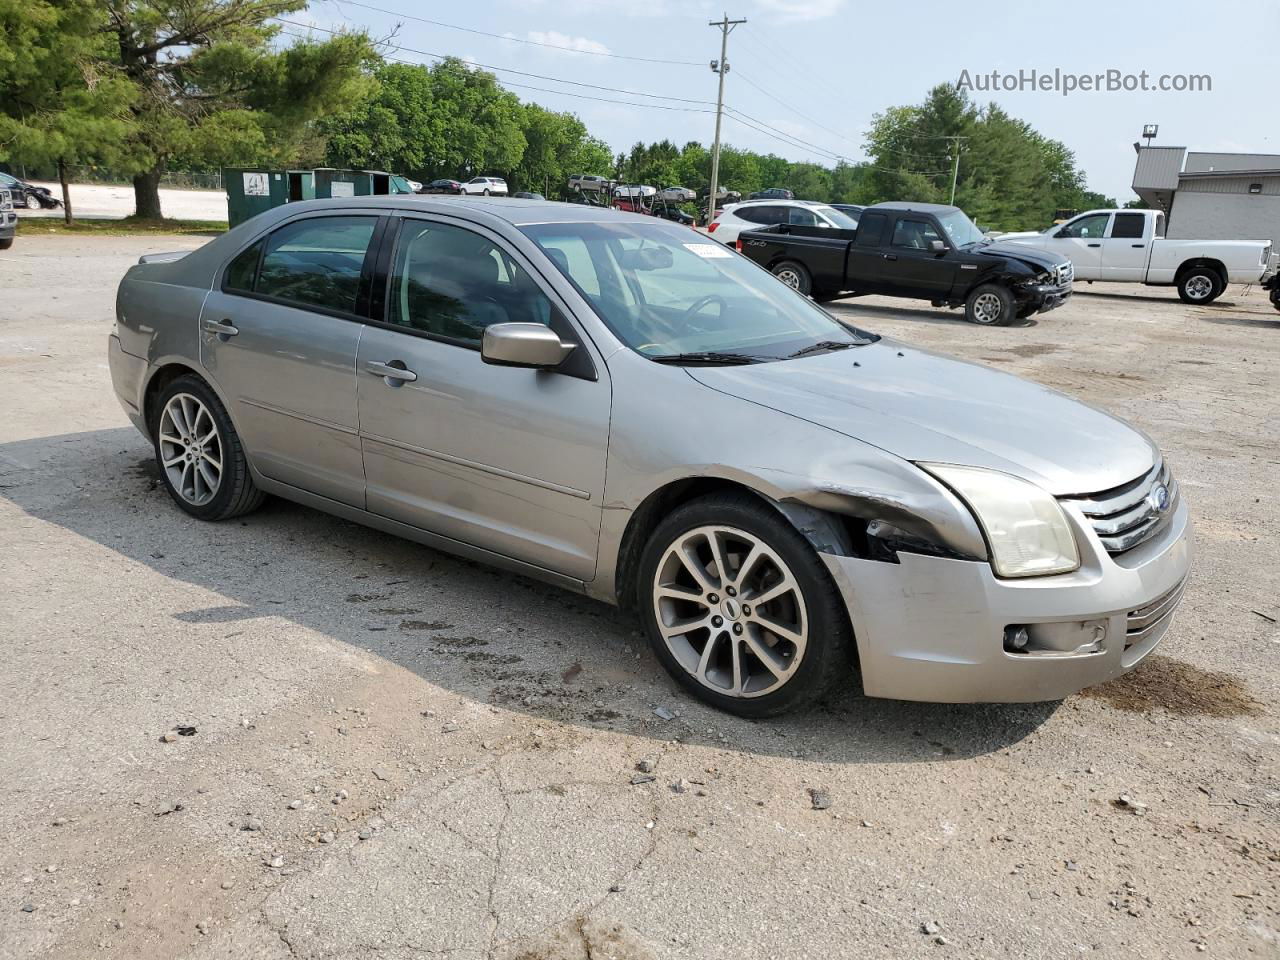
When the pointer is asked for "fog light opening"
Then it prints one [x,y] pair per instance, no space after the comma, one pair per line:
[1016,638]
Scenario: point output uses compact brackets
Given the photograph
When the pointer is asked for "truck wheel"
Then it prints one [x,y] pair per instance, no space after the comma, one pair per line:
[990,305]
[6,243]
[794,275]
[1200,285]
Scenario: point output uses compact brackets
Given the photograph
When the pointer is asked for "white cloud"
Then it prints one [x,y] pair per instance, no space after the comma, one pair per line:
[793,11]
[552,38]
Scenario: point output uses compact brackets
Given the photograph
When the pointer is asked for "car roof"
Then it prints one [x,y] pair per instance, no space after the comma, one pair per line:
[777,200]
[914,207]
[512,210]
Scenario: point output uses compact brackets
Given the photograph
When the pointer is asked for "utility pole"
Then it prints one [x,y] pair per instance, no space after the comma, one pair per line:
[955,171]
[721,67]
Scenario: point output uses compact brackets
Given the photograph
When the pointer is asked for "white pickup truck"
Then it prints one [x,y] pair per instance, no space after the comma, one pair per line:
[1129,246]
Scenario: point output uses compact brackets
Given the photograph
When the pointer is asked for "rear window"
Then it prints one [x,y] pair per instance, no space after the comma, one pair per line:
[871,230]
[317,262]
[1129,226]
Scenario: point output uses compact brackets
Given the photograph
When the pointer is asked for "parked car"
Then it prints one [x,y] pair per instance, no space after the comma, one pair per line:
[526,195]
[772,193]
[443,186]
[415,186]
[751,214]
[955,532]
[28,195]
[8,220]
[923,251]
[1129,246]
[635,191]
[850,210]
[486,186]
[588,181]
[677,195]
[673,213]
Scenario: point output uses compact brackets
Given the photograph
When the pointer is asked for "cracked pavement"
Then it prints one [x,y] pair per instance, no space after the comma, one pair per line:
[468,738]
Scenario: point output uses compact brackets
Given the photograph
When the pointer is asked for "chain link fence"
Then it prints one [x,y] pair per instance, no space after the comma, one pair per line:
[180,179]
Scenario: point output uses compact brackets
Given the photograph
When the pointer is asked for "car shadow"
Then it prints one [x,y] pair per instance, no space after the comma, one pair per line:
[1246,321]
[1145,298]
[495,637]
[894,312]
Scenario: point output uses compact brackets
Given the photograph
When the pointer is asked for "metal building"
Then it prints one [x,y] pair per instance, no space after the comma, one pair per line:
[1211,196]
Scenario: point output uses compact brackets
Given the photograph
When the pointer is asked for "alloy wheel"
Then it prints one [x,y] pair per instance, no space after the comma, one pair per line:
[789,276]
[190,449]
[986,308]
[1199,287]
[730,611]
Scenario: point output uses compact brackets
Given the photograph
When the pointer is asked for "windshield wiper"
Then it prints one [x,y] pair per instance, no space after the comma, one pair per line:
[822,346]
[708,356]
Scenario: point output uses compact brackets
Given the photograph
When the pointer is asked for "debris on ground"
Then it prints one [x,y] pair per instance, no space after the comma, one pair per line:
[820,799]
[1126,802]
[662,713]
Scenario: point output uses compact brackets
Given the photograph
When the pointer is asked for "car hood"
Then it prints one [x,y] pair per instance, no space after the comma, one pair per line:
[923,406]
[1043,259]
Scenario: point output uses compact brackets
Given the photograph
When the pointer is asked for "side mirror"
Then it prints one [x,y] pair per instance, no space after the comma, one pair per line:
[937,246]
[523,345]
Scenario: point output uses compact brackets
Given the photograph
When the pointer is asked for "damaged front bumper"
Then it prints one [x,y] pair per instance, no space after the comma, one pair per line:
[937,629]
[1042,297]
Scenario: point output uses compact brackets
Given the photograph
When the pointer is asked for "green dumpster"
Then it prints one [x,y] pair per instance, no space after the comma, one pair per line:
[253,190]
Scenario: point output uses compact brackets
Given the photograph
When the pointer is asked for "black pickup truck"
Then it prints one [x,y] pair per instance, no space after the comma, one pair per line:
[925,251]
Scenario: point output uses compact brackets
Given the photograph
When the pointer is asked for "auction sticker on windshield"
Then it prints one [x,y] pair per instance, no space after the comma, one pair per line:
[708,251]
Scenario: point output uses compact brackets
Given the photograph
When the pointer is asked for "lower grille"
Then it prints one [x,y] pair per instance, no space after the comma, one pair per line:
[1152,619]
[1132,513]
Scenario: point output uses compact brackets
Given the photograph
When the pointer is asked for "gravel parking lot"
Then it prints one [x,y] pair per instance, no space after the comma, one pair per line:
[396,754]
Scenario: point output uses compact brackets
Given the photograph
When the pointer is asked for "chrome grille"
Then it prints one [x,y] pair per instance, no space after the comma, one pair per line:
[1066,273]
[1152,619]
[1128,515]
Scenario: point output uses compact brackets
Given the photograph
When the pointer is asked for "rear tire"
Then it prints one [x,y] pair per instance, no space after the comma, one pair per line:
[990,305]
[486,192]
[1200,285]
[202,463]
[794,275]
[695,590]
[6,243]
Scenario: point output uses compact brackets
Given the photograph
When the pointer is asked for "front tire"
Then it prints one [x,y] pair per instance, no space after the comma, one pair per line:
[739,608]
[1200,285]
[794,275]
[486,192]
[6,243]
[990,305]
[201,460]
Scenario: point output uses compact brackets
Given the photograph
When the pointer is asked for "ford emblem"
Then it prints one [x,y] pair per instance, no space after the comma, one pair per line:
[1159,498]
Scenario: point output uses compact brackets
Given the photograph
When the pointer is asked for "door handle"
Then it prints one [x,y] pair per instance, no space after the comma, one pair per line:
[889,256]
[1137,246]
[223,328]
[1095,244]
[393,370]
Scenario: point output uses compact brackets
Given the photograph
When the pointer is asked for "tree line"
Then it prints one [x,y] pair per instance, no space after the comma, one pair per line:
[141,87]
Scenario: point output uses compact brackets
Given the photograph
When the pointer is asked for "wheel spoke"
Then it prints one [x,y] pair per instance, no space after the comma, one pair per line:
[771,593]
[696,569]
[739,677]
[682,626]
[779,629]
[764,655]
[206,473]
[674,591]
[171,461]
[705,660]
[717,557]
[744,571]
[169,437]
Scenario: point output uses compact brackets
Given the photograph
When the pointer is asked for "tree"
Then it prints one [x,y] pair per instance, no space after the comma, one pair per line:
[212,89]
[59,103]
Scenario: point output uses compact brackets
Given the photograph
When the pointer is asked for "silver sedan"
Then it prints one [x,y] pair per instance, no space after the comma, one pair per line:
[627,409]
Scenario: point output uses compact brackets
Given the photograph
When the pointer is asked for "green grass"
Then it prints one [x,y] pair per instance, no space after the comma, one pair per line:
[129,226]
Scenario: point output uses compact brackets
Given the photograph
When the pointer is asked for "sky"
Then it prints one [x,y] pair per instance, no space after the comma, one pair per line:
[815,72]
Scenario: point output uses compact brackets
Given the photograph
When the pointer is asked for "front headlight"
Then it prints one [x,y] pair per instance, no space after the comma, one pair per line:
[1025,527]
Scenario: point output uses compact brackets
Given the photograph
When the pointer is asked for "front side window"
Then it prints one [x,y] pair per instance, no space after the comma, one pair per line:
[914,234]
[1087,228]
[667,293]
[451,283]
[317,262]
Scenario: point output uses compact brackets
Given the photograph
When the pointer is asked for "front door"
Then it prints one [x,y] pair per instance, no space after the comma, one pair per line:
[911,268]
[510,460]
[1080,241]
[279,339]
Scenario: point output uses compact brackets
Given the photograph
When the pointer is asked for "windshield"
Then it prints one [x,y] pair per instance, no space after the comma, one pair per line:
[666,293]
[960,230]
[838,217]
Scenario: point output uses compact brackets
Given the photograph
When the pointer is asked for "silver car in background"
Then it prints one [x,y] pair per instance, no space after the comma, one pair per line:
[628,410]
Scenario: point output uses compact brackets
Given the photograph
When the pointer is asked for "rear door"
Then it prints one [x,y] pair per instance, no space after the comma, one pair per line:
[279,338]
[864,271]
[1126,248]
[506,459]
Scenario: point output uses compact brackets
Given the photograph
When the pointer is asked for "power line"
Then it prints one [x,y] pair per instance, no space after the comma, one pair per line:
[522,86]
[793,109]
[535,43]
[796,141]
[522,73]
